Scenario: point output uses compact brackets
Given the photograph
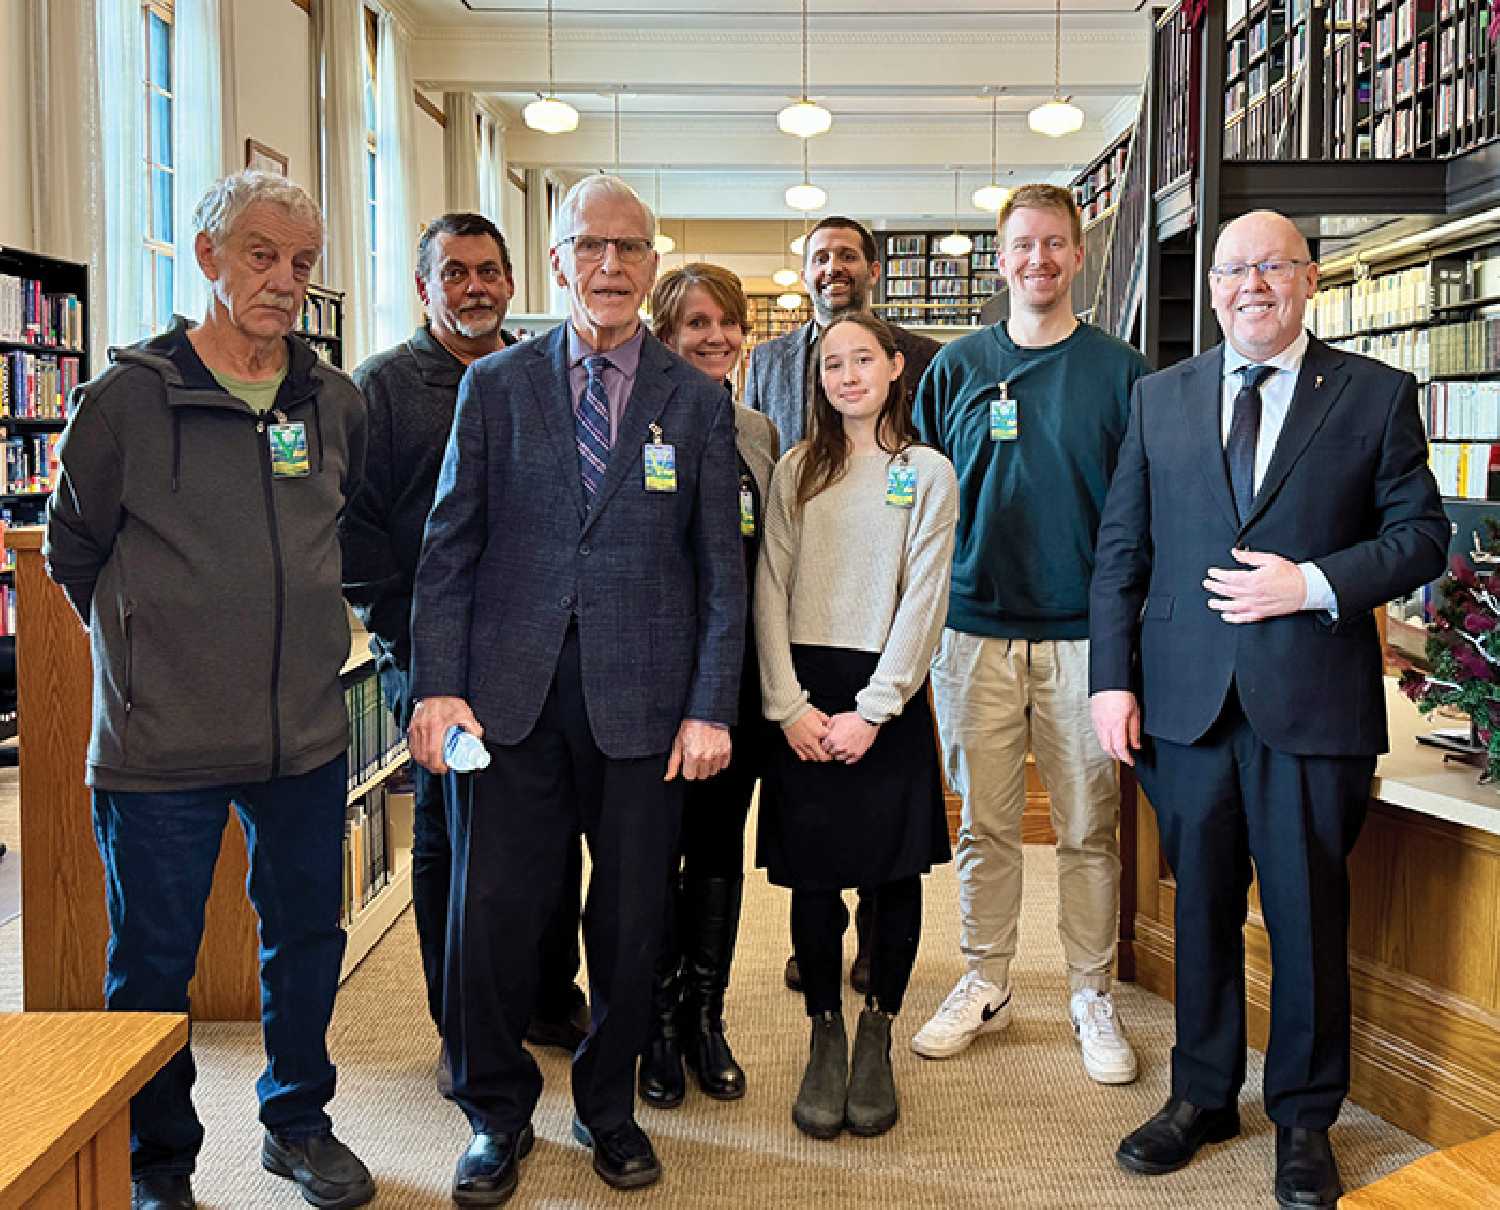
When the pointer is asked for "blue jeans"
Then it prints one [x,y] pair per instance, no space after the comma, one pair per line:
[159,850]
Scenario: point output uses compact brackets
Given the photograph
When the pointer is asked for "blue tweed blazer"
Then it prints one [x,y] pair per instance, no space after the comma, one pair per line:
[656,579]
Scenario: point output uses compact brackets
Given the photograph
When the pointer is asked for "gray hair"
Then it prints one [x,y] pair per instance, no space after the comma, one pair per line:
[229,197]
[565,221]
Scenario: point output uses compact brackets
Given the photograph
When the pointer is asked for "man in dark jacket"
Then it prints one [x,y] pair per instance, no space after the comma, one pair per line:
[193,530]
[464,281]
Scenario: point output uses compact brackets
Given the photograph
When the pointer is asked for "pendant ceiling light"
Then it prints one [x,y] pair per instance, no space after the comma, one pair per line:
[547,114]
[786,275]
[800,243]
[1057,117]
[617,132]
[806,196]
[804,119]
[663,242]
[955,243]
[992,196]
[789,301]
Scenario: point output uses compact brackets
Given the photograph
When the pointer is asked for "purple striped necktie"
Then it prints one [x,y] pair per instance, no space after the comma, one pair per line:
[591,426]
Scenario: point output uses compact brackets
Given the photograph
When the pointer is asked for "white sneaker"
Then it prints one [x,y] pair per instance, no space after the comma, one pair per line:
[1108,1056]
[973,1007]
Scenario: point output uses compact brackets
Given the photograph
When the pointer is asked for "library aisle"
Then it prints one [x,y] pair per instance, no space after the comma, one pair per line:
[1014,1123]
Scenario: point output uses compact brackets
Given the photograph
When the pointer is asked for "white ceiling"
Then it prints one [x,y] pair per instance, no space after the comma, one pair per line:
[699,86]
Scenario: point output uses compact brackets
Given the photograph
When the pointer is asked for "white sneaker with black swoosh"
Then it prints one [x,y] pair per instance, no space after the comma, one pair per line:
[973,1007]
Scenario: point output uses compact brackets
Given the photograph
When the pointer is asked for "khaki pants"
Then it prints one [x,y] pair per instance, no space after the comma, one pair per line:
[994,697]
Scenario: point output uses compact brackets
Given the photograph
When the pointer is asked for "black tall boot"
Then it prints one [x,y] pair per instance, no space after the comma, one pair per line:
[710,923]
[660,1079]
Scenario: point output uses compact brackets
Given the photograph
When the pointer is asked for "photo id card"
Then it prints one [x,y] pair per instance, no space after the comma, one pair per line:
[661,466]
[1005,422]
[288,442]
[747,511]
[901,485]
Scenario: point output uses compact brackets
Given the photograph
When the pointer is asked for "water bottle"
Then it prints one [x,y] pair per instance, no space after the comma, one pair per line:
[463,752]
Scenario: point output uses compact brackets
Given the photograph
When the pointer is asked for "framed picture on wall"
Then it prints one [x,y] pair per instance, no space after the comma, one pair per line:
[264,159]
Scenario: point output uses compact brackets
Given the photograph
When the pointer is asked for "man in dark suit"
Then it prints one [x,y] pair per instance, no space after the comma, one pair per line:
[840,266]
[1259,684]
[579,605]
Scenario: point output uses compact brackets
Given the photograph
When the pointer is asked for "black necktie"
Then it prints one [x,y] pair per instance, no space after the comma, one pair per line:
[1244,431]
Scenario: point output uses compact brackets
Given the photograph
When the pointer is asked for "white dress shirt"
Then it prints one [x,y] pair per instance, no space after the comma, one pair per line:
[1275,401]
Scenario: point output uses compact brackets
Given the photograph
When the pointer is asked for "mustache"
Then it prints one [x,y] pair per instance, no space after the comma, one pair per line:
[269,298]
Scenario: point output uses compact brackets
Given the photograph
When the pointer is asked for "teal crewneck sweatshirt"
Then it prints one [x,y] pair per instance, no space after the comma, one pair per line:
[1028,509]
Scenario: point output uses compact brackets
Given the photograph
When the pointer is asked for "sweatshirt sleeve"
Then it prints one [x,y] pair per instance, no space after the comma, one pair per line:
[784,700]
[927,564]
[85,511]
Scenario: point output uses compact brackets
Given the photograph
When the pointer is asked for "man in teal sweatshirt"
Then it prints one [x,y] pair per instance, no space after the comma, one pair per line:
[1031,412]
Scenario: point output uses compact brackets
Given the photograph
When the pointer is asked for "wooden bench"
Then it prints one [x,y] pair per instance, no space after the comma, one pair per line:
[1466,1177]
[65,1089]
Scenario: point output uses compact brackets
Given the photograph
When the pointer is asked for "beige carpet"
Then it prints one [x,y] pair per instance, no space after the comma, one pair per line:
[1012,1123]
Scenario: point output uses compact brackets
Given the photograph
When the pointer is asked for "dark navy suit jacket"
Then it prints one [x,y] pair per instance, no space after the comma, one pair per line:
[656,579]
[1348,488]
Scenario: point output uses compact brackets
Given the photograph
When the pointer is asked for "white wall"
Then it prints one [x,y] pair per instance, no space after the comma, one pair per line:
[430,195]
[15,126]
[274,90]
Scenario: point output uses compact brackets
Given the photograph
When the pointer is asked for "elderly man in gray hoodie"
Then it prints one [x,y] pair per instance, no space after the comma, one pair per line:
[194,531]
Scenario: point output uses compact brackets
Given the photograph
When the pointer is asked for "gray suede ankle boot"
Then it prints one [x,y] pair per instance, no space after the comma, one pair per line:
[871,1107]
[819,1110]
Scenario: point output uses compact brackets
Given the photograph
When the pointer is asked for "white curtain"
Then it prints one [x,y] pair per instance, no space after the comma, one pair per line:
[122,287]
[460,151]
[346,263]
[197,136]
[396,305]
[492,168]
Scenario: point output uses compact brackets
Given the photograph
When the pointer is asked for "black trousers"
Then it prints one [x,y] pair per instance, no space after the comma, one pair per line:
[819,920]
[511,828]
[431,878]
[1221,803]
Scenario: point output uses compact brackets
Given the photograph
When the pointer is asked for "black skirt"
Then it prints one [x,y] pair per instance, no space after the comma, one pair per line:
[825,825]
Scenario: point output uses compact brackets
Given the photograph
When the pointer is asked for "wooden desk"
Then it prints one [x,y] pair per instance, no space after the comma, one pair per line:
[65,1089]
[1424,958]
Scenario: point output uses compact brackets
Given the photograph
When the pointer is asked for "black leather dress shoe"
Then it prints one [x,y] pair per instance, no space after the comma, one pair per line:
[565,1033]
[161,1193]
[792,975]
[489,1171]
[623,1157]
[1306,1176]
[1172,1137]
[328,1173]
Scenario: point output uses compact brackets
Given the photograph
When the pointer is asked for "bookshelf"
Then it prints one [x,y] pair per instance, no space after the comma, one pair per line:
[1097,188]
[922,285]
[63,923]
[768,321]
[1265,47]
[321,323]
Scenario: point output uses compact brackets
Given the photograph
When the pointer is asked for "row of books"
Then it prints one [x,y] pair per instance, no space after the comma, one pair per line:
[1410,350]
[31,464]
[1375,302]
[37,386]
[377,843]
[1466,348]
[29,315]
[321,316]
[1463,469]
[917,244]
[374,738]
[1462,411]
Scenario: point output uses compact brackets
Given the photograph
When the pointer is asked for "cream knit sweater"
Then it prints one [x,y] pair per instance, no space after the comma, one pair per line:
[851,570]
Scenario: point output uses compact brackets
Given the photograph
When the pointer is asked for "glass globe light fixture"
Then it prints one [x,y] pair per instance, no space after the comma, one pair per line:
[806,196]
[551,116]
[663,243]
[789,301]
[955,243]
[798,244]
[1056,118]
[990,197]
[805,119]
[785,277]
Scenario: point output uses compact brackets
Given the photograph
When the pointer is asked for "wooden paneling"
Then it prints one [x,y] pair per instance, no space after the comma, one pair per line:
[1424,974]
[65,1089]
[1036,821]
[64,928]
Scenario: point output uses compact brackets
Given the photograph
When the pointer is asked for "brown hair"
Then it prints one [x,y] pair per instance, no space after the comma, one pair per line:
[1042,197]
[826,458]
[670,292]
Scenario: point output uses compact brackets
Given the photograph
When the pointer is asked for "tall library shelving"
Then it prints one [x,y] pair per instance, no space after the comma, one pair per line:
[921,284]
[1097,188]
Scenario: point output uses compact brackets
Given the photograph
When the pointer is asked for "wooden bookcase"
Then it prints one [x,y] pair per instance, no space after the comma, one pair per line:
[321,323]
[1266,46]
[63,924]
[922,285]
[1097,188]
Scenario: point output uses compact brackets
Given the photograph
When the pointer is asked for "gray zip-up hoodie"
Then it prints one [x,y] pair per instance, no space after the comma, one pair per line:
[210,588]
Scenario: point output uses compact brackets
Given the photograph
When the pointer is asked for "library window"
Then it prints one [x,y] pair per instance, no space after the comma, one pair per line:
[371,41]
[158,180]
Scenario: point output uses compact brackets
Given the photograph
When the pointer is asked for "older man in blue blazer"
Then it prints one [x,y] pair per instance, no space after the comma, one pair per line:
[1271,495]
[580,606]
